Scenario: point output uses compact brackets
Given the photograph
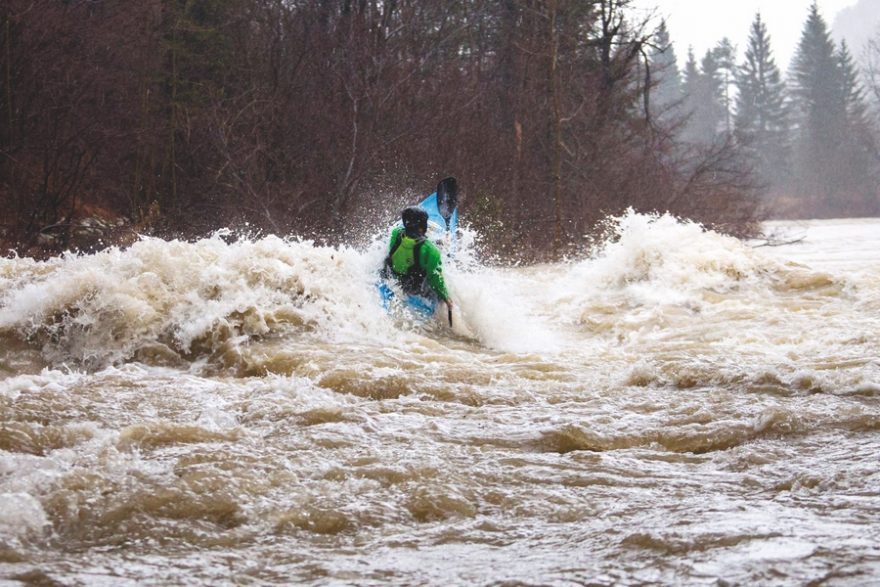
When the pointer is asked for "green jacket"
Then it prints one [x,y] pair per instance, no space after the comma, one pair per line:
[403,262]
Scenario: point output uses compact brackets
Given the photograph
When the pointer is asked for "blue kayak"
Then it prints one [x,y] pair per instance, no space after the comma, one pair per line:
[423,307]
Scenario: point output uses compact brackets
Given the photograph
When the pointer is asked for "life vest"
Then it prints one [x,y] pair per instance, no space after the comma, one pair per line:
[408,256]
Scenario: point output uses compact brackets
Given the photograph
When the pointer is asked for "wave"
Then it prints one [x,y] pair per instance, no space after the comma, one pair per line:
[666,291]
[660,260]
[174,300]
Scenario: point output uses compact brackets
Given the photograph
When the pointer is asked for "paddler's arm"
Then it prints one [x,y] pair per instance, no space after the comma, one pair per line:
[434,270]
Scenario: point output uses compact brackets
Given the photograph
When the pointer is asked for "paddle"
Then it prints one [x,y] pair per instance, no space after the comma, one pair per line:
[447,202]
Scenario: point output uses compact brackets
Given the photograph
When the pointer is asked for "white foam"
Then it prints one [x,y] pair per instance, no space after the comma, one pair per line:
[653,273]
[657,259]
[105,306]
[21,516]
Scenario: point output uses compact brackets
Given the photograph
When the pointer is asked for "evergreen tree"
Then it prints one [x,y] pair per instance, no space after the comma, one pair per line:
[725,56]
[704,99]
[690,88]
[852,93]
[814,72]
[872,71]
[666,96]
[817,106]
[833,165]
[858,167]
[761,121]
[691,74]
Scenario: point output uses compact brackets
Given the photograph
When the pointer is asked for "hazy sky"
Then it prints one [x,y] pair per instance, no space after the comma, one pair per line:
[702,23]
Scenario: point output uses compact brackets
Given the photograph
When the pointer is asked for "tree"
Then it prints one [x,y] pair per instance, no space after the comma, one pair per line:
[859,169]
[725,56]
[704,99]
[815,83]
[852,93]
[762,121]
[691,74]
[872,67]
[691,89]
[666,95]
[831,166]
[66,111]
[307,116]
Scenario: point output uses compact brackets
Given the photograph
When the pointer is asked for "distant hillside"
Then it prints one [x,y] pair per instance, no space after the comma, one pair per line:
[857,24]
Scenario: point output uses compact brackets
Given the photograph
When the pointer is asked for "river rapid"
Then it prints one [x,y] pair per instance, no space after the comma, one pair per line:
[679,407]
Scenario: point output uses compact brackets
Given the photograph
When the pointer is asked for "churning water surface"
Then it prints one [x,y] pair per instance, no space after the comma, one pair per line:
[679,408]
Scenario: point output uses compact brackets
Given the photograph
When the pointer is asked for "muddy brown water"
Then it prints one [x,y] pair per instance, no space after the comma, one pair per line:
[678,408]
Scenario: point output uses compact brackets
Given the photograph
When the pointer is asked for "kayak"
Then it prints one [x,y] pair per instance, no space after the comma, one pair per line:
[421,306]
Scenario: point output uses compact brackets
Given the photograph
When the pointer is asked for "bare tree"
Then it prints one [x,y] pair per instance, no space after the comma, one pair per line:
[872,69]
[291,117]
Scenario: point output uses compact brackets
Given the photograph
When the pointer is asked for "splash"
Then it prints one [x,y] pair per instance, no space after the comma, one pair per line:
[213,303]
[21,516]
[657,259]
[181,299]
[662,262]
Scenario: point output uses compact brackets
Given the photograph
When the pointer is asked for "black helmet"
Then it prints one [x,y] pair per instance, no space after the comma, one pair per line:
[415,222]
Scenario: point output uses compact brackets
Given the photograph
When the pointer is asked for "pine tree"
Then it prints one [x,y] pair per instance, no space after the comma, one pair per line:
[666,96]
[690,89]
[852,93]
[858,167]
[818,109]
[761,121]
[814,71]
[704,99]
[872,71]
[725,56]
[691,74]
[834,165]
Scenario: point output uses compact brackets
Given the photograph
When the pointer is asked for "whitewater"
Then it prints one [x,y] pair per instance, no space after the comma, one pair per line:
[675,407]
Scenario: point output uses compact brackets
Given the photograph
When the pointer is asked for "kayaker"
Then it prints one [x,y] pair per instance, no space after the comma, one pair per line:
[414,260]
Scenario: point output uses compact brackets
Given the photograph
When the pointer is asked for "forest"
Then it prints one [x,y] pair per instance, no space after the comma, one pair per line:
[318,118]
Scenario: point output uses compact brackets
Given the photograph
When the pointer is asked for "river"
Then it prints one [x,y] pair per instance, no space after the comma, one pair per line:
[679,408]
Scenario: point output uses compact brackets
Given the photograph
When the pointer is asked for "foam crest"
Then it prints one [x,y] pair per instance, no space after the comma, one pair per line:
[174,302]
[189,298]
[656,261]
[501,308]
[178,304]
[21,516]
[676,255]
